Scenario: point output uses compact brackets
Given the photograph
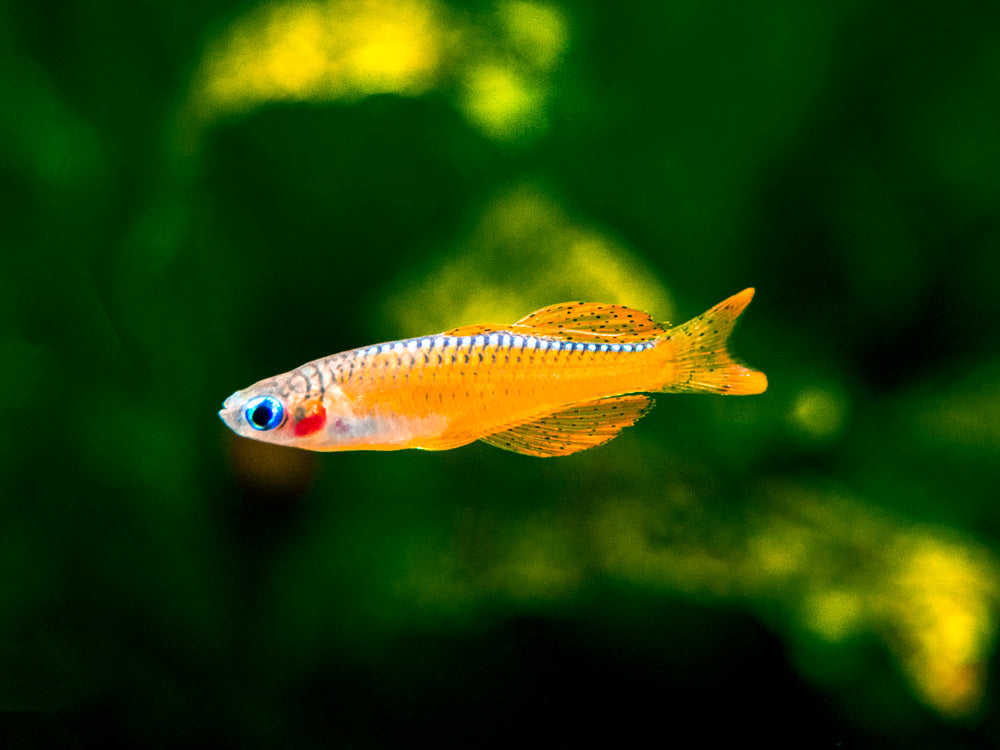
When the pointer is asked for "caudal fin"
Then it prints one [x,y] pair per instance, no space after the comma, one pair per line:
[701,362]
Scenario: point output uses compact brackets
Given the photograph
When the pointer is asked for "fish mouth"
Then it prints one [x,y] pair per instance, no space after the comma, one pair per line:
[229,409]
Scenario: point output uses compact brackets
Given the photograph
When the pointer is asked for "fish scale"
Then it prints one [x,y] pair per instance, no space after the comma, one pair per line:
[555,382]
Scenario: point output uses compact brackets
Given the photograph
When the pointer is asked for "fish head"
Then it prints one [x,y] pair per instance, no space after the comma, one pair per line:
[285,410]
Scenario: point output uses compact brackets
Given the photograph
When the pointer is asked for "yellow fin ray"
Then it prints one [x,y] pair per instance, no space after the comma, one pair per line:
[581,426]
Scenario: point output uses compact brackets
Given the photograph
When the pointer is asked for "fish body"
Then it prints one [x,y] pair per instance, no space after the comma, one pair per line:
[565,378]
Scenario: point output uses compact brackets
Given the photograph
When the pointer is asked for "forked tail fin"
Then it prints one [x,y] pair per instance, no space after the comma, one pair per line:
[701,363]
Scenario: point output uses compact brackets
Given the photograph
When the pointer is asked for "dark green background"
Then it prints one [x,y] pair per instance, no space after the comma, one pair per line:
[156,587]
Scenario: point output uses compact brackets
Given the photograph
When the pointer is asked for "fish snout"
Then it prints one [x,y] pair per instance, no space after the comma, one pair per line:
[229,413]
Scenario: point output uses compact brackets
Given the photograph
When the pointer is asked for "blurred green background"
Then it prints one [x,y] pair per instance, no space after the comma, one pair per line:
[199,195]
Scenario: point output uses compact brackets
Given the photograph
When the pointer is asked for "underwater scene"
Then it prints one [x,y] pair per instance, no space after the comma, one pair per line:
[798,546]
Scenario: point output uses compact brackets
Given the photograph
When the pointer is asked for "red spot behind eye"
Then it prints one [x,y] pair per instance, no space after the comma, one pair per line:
[312,423]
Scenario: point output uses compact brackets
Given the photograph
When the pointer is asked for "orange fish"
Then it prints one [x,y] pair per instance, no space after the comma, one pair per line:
[565,378]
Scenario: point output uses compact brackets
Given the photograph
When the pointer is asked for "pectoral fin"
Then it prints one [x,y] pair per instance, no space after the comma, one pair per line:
[581,426]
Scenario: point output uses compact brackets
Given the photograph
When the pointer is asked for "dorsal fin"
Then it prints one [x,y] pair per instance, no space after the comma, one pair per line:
[585,322]
[474,330]
[592,321]
[581,426]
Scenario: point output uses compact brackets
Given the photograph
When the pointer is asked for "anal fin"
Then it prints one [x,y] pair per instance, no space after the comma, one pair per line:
[581,426]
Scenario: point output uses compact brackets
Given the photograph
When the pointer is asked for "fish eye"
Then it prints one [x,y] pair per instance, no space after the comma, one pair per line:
[264,413]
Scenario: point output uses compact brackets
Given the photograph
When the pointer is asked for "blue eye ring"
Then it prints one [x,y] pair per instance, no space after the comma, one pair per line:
[264,413]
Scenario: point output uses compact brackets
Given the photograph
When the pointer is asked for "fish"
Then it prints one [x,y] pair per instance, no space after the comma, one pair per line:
[563,379]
